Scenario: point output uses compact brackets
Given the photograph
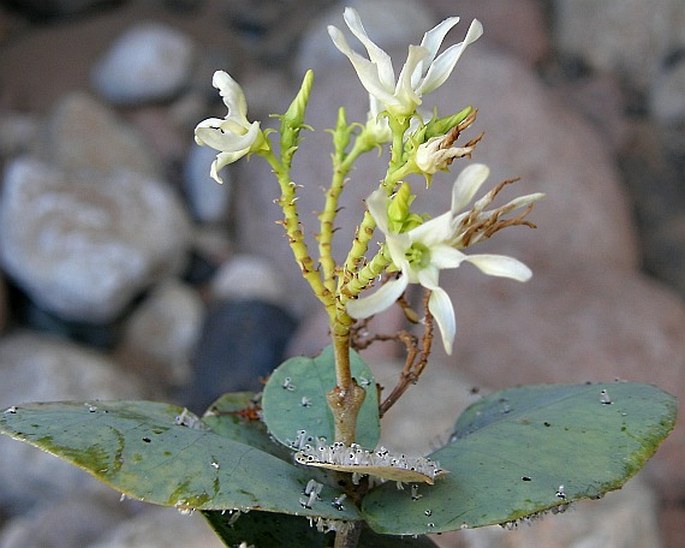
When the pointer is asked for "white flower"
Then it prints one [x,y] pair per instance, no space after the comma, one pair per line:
[432,156]
[233,136]
[423,71]
[378,128]
[420,253]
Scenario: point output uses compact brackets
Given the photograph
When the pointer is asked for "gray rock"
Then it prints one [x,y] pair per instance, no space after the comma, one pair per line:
[18,132]
[149,62]
[85,134]
[38,368]
[83,248]
[76,520]
[241,342]
[161,334]
[667,97]
[388,22]
[248,277]
[630,37]
[209,201]
[160,528]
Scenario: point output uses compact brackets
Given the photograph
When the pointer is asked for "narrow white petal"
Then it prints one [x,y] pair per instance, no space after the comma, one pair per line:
[467,184]
[434,37]
[226,141]
[428,277]
[378,56]
[367,71]
[441,308]
[407,80]
[230,92]
[221,161]
[501,265]
[521,201]
[377,204]
[442,67]
[445,256]
[383,298]
[433,232]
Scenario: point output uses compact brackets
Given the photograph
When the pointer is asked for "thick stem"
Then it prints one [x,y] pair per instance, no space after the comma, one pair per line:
[349,536]
[346,398]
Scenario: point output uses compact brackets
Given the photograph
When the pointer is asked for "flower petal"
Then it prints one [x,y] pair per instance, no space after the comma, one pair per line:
[442,67]
[501,266]
[441,308]
[226,141]
[432,232]
[230,92]
[367,71]
[377,204]
[378,56]
[467,184]
[409,78]
[383,298]
[445,256]
[434,37]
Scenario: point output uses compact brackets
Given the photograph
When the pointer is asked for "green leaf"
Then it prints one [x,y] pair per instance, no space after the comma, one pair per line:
[139,448]
[294,399]
[262,529]
[225,417]
[528,450]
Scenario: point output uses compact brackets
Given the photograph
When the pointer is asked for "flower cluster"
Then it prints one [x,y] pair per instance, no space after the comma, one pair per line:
[423,71]
[234,136]
[417,249]
[421,252]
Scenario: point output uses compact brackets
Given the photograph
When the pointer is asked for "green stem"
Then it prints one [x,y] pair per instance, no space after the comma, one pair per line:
[341,167]
[346,398]
[293,229]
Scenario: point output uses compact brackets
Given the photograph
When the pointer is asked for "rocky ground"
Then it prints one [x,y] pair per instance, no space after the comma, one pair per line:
[127,273]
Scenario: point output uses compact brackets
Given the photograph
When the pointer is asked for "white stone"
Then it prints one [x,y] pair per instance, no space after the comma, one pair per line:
[83,249]
[628,36]
[149,62]
[248,277]
[160,335]
[83,133]
[667,98]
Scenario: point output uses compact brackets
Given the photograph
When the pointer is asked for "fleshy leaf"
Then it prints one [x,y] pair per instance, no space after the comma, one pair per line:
[294,401]
[161,454]
[262,529]
[528,450]
[235,416]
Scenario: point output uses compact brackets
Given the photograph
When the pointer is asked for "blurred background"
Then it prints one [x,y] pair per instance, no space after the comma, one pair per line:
[126,272]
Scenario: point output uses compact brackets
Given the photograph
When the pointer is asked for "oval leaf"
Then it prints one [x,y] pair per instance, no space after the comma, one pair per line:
[529,450]
[161,454]
[294,401]
[236,416]
[262,529]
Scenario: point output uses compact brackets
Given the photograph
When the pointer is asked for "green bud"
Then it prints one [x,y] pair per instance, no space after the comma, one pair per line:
[400,218]
[342,133]
[440,126]
[293,119]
